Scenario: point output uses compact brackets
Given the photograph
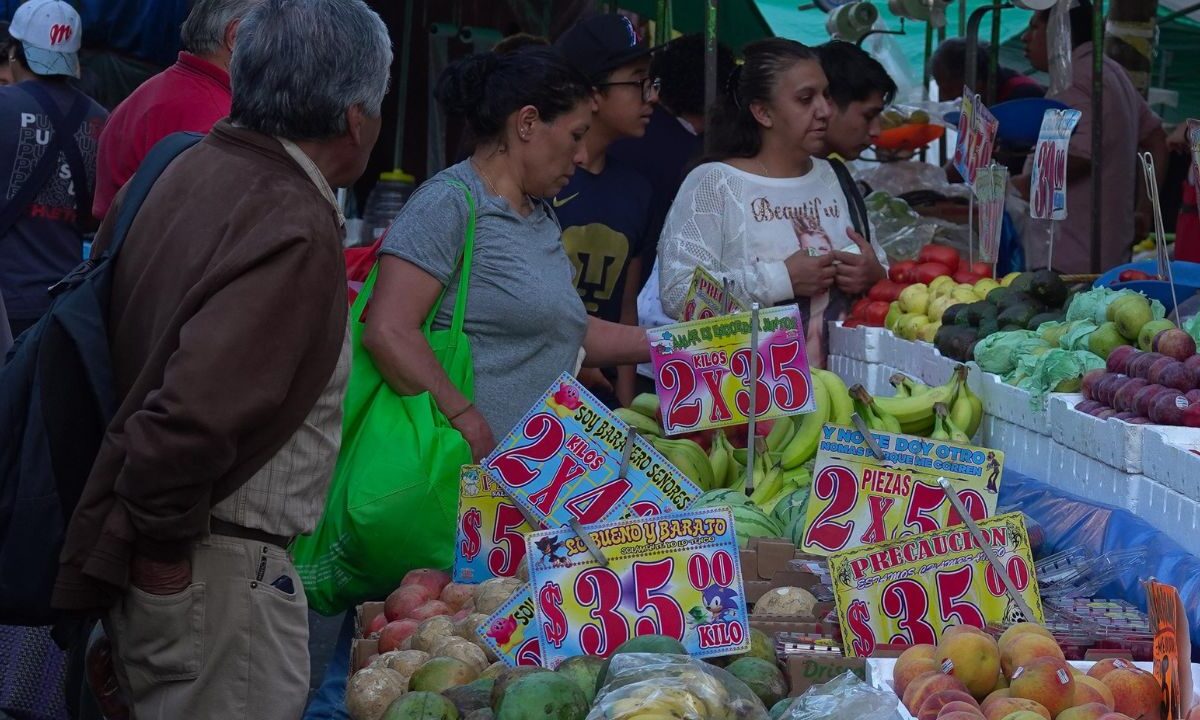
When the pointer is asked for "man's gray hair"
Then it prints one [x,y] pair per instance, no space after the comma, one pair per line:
[299,65]
[203,31]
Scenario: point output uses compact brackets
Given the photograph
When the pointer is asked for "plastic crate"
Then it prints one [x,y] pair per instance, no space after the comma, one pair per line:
[861,343]
[1169,457]
[872,376]
[1111,441]
[1011,403]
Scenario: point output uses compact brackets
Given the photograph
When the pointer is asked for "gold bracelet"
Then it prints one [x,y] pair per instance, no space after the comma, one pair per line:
[460,413]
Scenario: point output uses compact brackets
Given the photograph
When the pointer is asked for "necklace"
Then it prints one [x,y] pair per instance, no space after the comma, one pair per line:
[479,169]
[764,167]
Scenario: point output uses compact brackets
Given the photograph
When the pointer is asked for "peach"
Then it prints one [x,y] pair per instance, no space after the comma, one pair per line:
[933,703]
[1089,689]
[1107,665]
[1087,711]
[1022,715]
[953,630]
[903,677]
[1046,680]
[1025,647]
[1003,707]
[403,600]
[1021,628]
[1135,693]
[971,657]
[994,695]
[920,689]
[959,706]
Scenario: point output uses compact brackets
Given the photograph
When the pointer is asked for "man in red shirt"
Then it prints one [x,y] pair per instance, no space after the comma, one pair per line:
[191,95]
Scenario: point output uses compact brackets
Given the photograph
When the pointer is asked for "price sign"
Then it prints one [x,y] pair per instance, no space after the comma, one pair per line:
[1172,648]
[910,590]
[991,185]
[706,298]
[562,463]
[1048,185]
[702,370]
[976,136]
[512,633]
[676,575]
[858,500]
[491,529]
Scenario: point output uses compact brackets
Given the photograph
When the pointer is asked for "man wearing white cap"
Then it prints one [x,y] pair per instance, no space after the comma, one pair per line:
[48,136]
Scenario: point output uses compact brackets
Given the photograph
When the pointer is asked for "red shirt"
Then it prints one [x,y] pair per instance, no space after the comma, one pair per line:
[190,96]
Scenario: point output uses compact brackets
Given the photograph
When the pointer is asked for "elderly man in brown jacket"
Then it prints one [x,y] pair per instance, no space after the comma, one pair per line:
[228,331]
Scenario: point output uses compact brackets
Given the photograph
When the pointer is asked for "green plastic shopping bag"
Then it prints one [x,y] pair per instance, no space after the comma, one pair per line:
[393,500]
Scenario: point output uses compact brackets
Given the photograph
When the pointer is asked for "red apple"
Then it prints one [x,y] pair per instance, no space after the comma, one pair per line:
[1106,413]
[1108,387]
[1177,376]
[1154,373]
[1087,406]
[1090,379]
[1118,359]
[1140,365]
[1145,398]
[1191,415]
[1174,343]
[1168,409]
[1193,396]
[1123,397]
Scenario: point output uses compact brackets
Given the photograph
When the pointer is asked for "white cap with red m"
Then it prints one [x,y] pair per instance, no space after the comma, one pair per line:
[50,32]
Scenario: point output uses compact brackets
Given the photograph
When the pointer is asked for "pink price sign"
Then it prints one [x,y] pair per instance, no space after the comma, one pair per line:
[702,370]
[1048,183]
[708,297]
[976,136]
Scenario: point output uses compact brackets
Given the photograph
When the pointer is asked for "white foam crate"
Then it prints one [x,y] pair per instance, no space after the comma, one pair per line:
[872,376]
[935,368]
[860,343]
[1025,451]
[1111,441]
[1013,404]
[1089,478]
[1170,512]
[904,355]
[1169,457]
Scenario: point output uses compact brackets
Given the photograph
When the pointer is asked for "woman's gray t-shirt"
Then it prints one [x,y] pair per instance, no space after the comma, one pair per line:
[524,317]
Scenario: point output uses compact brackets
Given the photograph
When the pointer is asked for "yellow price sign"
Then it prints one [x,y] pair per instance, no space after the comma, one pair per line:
[910,590]
[707,297]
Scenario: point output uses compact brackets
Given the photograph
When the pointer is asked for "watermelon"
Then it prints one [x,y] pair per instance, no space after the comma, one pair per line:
[795,529]
[792,505]
[749,521]
[723,496]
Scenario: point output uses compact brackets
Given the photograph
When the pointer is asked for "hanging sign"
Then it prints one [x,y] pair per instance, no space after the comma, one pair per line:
[910,590]
[991,187]
[512,632]
[562,463]
[676,575]
[702,370]
[1172,648]
[976,136]
[1048,185]
[857,499]
[708,297]
[491,529]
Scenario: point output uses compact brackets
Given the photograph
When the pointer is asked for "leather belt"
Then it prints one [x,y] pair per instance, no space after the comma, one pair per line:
[222,527]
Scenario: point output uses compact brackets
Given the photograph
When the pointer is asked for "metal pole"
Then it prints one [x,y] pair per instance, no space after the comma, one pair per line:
[994,54]
[710,59]
[402,86]
[1169,17]
[1097,132]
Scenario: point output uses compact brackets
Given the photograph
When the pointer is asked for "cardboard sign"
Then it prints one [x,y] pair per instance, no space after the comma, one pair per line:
[1172,648]
[1048,186]
[675,575]
[858,499]
[562,463]
[991,187]
[976,136]
[910,590]
[702,370]
[706,298]
[491,530]
[512,633]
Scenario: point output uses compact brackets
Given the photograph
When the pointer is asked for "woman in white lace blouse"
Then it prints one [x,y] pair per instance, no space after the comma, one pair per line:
[766,213]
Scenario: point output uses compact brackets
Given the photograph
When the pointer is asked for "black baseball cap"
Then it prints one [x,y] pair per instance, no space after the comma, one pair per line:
[601,44]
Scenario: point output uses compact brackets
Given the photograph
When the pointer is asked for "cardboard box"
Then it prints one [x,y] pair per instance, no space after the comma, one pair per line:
[804,671]
[361,652]
[364,614]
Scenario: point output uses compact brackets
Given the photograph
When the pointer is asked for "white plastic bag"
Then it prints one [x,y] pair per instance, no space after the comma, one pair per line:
[845,696]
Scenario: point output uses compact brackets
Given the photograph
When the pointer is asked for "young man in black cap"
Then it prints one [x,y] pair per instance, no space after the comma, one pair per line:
[605,209]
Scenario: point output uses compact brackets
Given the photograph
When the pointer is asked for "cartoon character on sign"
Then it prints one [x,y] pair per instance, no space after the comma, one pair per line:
[552,551]
[1013,614]
[565,402]
[665,345]
[719,602]
[471,484]
[502,630]
[993,468]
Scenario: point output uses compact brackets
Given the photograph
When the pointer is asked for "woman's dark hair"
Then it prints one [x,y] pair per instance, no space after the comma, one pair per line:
[678,64]
[733,131]
[486,88]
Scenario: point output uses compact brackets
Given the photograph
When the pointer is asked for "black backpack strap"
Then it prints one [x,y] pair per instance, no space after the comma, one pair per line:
[65,127]
[858,208]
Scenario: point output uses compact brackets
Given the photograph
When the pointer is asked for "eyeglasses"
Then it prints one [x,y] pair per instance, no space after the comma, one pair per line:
[650,87]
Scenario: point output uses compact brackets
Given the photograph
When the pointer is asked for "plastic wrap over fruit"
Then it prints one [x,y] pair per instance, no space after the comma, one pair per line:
[999,352]
[643,684]
[845,696]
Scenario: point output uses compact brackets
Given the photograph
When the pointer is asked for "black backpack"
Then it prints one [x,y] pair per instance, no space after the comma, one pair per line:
[57,397]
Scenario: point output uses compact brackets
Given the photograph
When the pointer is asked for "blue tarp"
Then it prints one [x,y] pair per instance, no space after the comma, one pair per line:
[1071,521]
[145,29]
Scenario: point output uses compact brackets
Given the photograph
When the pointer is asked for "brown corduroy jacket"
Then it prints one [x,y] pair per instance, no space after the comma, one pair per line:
[228,313]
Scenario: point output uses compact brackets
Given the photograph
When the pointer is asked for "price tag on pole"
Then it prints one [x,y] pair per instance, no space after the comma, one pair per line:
[562,463]
[1048,183]
[676,575]
[991,187]
[702,370]
[911,589]
[491,529]
[512,631]
[708,297]
[858,499]
[976,136]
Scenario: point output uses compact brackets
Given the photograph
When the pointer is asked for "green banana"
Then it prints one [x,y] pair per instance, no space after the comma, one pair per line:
[689,458]
[840,407]
[785,488]
[782,431]
[635,419]
[808,434]
[736,472]
[898,381]
[772,481]
[939,423]
[720,460]
[869,408]
[645,404]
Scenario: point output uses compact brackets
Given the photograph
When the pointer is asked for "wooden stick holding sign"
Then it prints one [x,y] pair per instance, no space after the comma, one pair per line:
[753,382]
[1160,241]
[986,547]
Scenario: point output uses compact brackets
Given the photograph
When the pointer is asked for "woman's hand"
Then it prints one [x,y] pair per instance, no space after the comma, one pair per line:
[810,274]
[857,272]
[476,432]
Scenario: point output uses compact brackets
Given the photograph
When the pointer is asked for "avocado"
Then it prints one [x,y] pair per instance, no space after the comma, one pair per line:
[978,311]
[1023,283]
[989,326]
[1048,287]
[1018,315]
[1016,298]
[953,313]
[997,295]
[1041,318]
[954,341]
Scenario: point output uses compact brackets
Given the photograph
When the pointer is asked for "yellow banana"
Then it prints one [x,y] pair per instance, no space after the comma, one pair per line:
[782,431]
[976,409]
[808,433]
[955,432]
[960,413]
[915,413]
[689,458]
[840,407]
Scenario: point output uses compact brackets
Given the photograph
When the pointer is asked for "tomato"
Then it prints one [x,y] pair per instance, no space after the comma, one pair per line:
[875,313]
[968,277]
[927,272]
[856,310]
[886,290]
[982,269]
[947,256]
[851,322]
[1129,275]
[901,272]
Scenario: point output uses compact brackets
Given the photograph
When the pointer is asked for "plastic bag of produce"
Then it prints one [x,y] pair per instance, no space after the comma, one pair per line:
[641,684]
[845,696]
[999,352]
[1055,371]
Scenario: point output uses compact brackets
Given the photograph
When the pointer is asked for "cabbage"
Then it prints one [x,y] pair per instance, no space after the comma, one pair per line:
[1090,305]
[999,352]
[1076,337]
[1054,371]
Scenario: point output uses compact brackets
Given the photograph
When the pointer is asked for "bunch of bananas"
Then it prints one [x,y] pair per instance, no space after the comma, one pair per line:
[692,695]
[691,460]
[913,409]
